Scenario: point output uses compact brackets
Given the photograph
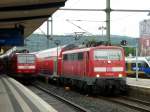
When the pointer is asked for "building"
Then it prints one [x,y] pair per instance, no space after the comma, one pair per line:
[144,28]
[144,40]
[144,46]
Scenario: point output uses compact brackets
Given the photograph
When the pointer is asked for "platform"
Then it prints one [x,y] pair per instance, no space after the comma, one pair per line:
[145,83]
[139,88]
[14,97]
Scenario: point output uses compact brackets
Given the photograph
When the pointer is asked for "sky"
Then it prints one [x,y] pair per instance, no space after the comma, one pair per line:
[122,23]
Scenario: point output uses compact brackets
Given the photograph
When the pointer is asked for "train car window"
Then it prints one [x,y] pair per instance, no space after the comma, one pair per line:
[75,56]
[72,56]
[133,64]
[69,57]
[140,64]
[65,57]
[80,56]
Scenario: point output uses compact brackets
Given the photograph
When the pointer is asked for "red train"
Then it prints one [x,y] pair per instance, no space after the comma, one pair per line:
[47,62]
[100,68]
[21,65]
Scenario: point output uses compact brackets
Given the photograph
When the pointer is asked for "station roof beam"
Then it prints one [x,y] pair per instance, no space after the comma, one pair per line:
[29,13]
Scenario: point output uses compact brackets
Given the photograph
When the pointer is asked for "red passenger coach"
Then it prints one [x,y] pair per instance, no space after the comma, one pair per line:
[47,62]
[22,65]
[101,68]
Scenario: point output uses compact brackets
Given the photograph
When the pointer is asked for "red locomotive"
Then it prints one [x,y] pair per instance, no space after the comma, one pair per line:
[100,68]
[22,65]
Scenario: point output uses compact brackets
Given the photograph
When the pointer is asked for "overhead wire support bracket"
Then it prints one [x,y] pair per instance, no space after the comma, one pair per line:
[78,26]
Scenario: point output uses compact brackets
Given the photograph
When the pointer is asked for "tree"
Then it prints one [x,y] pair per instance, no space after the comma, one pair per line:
[129,50]
[93,42]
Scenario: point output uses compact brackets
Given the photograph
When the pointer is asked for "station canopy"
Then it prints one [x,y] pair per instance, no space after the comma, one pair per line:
[30,14]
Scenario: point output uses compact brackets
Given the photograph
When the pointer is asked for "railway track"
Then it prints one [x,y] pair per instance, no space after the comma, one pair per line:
[121,101]
[75,107]
[132,103]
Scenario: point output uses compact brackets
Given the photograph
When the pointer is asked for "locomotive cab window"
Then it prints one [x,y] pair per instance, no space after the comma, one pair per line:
[105,54]
[21,59]
[30,59]
[26,58]
[144,64]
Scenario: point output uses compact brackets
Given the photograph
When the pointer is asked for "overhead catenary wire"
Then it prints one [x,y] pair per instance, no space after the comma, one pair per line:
[105,10]
[81,20]
[78,26]
[116,10]
[42,32]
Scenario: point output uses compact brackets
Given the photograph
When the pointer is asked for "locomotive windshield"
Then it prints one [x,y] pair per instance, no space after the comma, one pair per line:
[107,54]
[26,58]
[148,59]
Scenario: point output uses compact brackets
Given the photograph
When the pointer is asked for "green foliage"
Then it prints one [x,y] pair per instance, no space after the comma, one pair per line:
[129,50]
[36,42]
[94,42]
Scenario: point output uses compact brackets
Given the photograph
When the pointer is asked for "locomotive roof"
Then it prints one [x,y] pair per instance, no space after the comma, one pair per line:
[89,48]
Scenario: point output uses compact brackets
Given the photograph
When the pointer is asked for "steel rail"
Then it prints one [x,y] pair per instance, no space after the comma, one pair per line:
[136,100]
[75,106]
[133,104]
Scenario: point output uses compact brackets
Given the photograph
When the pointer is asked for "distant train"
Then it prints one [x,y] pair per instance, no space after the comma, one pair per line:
[100,68]
[143,67]
[20,65]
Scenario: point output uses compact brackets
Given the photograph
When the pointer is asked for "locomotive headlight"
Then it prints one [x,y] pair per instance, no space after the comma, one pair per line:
[120,75]
[109,61]
[97,75]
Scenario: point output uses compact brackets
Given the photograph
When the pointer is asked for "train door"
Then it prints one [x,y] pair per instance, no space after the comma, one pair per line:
[86,64]
[55,67]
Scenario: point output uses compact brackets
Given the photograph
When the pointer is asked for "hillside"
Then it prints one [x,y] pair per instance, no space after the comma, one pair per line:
[36,42]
